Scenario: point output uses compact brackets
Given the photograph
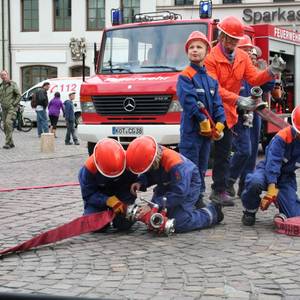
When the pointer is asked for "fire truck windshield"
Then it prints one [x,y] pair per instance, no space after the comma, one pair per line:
[147,49]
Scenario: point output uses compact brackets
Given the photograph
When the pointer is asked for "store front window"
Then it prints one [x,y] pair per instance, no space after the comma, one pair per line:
[32,75]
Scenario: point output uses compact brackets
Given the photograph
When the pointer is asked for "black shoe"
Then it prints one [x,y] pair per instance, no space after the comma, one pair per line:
[220,215]
[68,143]
[102,230]
[230,190]
[12,146]
[248,218]
[222,198]
[76,143]
[6,146]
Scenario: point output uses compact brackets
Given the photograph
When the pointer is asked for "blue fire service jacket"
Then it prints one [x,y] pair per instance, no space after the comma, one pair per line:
[282,156]
[282,159]
[177,178]
[195,85]
[97,188]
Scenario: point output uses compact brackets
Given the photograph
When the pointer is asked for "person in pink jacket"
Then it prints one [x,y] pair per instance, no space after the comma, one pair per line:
[54,107]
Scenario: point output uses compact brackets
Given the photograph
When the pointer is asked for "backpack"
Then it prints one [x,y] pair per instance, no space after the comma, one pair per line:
[33,100]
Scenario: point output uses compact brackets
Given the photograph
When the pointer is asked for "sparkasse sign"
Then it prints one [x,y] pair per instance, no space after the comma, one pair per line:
[277,15]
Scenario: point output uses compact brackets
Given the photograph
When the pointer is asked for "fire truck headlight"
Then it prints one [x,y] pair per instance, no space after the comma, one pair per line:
[87,107]
[175,106]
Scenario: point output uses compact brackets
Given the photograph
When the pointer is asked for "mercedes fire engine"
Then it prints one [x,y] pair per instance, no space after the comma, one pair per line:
[134,90]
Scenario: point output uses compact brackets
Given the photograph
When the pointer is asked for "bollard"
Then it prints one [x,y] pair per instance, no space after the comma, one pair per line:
[47,142]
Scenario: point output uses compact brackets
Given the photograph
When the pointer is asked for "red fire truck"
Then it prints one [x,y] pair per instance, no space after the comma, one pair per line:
[134,89]
[285,43]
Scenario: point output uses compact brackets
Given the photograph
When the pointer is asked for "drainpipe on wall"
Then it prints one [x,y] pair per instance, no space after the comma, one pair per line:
[2,34]
[9,39]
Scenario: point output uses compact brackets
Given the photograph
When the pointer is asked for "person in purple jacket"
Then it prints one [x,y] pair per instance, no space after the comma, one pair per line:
[54,107]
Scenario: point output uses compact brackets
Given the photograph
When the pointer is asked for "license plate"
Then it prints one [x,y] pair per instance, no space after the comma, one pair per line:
[127,131]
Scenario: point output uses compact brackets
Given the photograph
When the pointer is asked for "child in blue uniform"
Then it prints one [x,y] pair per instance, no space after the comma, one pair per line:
[276,175]
[105,183]
[196,88]
[176,178]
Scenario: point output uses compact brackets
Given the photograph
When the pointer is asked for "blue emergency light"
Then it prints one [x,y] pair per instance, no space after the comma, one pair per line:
[116,16]
[205,9]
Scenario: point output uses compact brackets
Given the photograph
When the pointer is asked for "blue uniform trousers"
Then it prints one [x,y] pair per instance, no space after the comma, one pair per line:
[198,152]
[188,219]
[255,138]
[221,157]
[186,216]
[242,150]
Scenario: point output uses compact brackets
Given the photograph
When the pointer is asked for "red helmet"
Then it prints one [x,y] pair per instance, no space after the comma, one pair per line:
[232,26]
[109,157]
[197,35]
[296,118]
[245,41]
[141,154]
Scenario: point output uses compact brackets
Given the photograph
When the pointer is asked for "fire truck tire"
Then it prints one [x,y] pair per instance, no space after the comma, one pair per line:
[91,147]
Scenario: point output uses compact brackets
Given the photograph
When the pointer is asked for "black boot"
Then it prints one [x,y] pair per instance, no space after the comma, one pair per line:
[220,215]
[248,218]
[230,188]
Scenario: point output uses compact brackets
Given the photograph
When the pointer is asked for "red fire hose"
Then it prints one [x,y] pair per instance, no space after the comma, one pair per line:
[20,188]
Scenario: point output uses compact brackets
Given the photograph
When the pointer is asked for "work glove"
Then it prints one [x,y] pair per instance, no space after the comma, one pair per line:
[246,103]
[277,65]
[205,128]
[269,197]
[117,206]
[218,132]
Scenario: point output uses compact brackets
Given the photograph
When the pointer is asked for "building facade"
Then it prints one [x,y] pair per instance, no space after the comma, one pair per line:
[283,13]
[4,36]
[47,38]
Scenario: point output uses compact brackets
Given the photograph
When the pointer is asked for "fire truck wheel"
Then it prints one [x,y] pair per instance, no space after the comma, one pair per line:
[91,147]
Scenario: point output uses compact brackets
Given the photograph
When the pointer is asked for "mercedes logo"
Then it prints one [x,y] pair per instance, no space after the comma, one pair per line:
[129,104]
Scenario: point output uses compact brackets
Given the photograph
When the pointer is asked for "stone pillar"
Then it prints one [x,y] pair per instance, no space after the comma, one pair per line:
[47,142]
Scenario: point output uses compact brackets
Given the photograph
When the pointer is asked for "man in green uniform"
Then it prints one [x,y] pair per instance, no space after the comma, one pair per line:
[9,99]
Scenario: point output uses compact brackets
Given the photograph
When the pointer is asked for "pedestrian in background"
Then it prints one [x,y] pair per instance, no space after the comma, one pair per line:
[70,120]
[9,99]
[195,87]
[41,99]
[54,107]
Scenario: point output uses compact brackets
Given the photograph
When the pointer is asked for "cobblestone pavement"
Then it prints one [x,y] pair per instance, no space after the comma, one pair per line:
[228,261]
